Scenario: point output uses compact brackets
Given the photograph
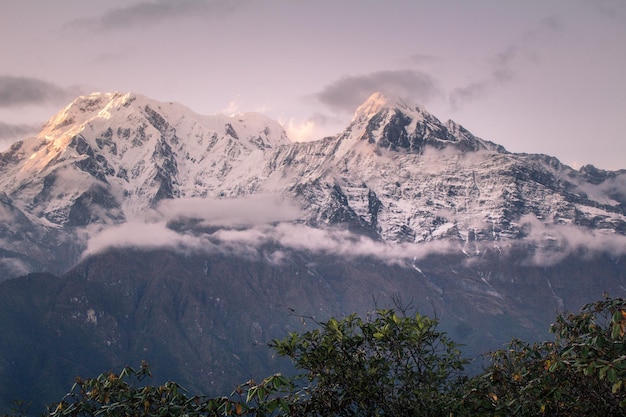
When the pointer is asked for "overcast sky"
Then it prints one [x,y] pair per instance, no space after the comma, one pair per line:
[539,76]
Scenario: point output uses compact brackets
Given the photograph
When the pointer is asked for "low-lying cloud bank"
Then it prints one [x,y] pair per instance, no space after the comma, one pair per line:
[267,241]
[258,226]
[266,227]
[249,211]
[555,242]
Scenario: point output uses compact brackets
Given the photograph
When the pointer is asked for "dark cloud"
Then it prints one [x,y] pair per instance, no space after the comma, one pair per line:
[23,91]
[150,12]
[10,131]
[347,93]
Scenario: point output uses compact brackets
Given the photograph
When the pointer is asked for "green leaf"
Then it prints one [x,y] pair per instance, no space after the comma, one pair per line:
[251,393]
[611,375]
[615,331]
[553,366]
[617,386]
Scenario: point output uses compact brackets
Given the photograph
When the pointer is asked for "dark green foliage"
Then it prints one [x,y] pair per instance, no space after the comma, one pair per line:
[118,395]
[581,373]
[387,365]
[19,408]
[123,395]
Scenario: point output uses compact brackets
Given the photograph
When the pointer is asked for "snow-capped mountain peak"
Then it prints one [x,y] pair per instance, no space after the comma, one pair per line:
[130,108]
[392,124]
[371,106]
[378,102]
[136,151]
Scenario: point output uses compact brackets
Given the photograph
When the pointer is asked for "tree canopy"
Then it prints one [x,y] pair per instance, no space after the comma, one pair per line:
[389,364]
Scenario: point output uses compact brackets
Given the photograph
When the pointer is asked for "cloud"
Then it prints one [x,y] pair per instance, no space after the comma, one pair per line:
[15,266]
[347,93]
[611,191]
[25,91]
[614,9]
[504,65]
[232,109]
[555,242]
[616,187]
[301,132]
[267,227]
[259,227]
[268,241]
[312,128]
[502,72]
[331,241]
[153,12]
[424,59]
[9,133]
[147,235]
[253,210]
[158,228]
[15,131]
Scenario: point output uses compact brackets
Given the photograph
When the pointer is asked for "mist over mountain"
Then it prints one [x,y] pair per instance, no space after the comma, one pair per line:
[134,229]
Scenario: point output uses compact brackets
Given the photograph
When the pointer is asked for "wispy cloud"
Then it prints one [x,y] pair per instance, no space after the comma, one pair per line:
[555,242]
[267,241]
[253,210]
[153,12]
[24,91]
[505,65]
[312,128]
[420,59]
[12,131]
[259,227]
[347,93]
[614,9]
[157,229]
[16,267]
[266,226]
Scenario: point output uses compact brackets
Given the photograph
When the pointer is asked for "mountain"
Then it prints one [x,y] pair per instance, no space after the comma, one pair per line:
[134,229]
[395,174]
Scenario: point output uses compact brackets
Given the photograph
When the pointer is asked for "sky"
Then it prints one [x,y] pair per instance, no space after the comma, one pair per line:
[536,76]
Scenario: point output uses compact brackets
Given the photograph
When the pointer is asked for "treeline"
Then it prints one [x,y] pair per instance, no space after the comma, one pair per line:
[394,364]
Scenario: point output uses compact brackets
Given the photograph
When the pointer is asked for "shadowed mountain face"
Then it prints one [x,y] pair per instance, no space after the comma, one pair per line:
[133,229]
[203,320]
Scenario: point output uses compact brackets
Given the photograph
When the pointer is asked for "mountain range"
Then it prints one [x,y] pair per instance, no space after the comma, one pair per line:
[135,229]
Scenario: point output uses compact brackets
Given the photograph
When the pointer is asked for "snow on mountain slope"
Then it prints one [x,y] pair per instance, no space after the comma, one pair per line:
[125,153]
[395,174]
[402,175]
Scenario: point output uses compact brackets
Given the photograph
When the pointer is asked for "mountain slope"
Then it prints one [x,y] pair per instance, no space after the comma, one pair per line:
[203,320]
[132,150]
